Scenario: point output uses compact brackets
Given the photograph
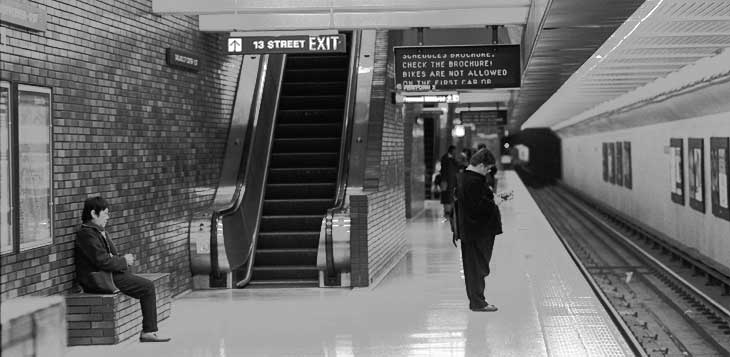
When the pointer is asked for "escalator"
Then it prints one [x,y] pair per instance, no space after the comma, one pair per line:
[303,170]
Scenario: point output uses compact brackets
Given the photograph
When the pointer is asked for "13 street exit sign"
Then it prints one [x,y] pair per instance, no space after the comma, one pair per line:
[287,44]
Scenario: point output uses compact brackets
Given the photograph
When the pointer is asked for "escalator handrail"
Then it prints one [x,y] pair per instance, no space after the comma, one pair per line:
[341,201]
[248,153]
[263,170]
[221,204]
[346,137]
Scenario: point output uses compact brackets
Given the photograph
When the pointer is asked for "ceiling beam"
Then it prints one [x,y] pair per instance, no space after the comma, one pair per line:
[197,7]
[355,20]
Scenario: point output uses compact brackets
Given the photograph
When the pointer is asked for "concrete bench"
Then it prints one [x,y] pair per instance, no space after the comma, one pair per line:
[99,319]
[33,326]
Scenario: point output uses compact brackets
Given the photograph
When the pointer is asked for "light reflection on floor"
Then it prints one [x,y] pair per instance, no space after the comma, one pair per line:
[420,309]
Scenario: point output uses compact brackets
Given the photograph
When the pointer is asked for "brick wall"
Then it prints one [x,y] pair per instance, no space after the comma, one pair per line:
[126,126]
[384,173]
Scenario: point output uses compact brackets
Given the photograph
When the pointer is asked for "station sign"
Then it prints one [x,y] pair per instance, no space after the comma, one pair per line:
[484,117]
[449,98]
[287,44]
[449,68]
[182,59]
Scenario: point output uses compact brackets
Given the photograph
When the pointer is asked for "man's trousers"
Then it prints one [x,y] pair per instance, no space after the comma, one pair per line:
[144,290]
[475,256]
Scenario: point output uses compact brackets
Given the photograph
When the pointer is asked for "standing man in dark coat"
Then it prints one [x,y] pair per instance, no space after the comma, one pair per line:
[449,169]
[94,251]
[477,220]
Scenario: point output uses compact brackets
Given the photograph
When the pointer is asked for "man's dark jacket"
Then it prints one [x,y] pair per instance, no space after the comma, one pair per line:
[93,252]
[477,215]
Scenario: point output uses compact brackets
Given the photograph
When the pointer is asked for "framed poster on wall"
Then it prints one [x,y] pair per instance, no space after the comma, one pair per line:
[627,164]
[719,178]
[605,162]
[619,165]
[676,170]
[696,175]
[611,163]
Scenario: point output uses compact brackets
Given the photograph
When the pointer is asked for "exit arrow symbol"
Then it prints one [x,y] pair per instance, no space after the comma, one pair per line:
[234,45]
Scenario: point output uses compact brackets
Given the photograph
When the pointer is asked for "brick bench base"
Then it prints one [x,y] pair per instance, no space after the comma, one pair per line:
[33,326]
[98,319]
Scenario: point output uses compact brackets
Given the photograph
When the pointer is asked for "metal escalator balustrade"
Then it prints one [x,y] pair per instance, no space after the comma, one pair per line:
[303,169]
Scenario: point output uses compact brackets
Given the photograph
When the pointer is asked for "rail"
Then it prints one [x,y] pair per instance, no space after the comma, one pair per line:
[615,316]
[232,219]
[241,224]
[678,293]
[336,223]
[207,255]
[713,275]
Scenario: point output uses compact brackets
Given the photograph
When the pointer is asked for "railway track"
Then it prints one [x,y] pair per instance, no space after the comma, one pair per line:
[665,309]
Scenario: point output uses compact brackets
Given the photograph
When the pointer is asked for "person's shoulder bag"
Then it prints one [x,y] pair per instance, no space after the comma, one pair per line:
[102,283]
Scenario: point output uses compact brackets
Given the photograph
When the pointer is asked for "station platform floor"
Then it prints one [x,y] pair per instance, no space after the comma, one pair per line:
[546,308]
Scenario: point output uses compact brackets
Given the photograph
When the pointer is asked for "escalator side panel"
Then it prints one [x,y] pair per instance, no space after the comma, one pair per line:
[240,227]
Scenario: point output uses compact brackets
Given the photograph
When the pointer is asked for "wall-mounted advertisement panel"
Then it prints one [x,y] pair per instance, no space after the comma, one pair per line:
[676,170]
[696,176]
[612,163]
[719,178]
[444,68]
[619,164]
[35,166]
[6,227]
[627,164]
[605,162]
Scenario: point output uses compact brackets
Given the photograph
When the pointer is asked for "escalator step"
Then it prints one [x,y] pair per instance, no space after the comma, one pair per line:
[312,101]
[297,206]
[302,175]
[291,223]
[296,272]
[284,257]
[313,88]
[315,75]
[300,190]
[323,61]
[273,240]
[302,160]
[304,144]
[318,115]
[272,284]
[327,130]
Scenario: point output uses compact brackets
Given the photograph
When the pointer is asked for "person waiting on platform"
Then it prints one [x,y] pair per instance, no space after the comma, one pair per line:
[491,178]
[94,251]
[449,169]
[477,222]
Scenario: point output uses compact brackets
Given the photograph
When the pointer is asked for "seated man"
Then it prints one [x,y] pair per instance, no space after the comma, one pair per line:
[94,251]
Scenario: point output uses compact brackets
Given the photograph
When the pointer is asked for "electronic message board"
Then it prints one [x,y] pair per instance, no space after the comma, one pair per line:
[484,117]
[437,68]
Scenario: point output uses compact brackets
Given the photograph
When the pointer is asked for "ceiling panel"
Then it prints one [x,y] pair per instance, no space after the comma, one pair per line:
[661,37]
[571,33]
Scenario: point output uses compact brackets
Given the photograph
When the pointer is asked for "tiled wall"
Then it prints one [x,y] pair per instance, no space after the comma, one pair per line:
[383,205]
[649,199]
[126,126]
